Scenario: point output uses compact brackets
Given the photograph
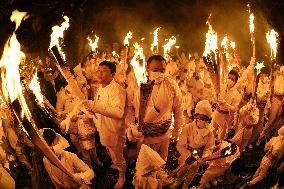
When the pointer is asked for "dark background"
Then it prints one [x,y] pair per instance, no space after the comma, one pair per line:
[112,19]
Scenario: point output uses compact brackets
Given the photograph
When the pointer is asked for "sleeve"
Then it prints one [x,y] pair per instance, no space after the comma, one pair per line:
[182,142]
[60,101]
[83,169]
[209,146]
[130,111]
[117,105]
[177,110]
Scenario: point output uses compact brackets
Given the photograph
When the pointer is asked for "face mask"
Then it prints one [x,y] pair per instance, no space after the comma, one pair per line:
[230,83]
[154,75]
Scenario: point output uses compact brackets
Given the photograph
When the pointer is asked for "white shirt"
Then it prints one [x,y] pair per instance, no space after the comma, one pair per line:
[110,103]
[165,96]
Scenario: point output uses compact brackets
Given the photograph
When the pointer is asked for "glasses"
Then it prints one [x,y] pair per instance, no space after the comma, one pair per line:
[203,118]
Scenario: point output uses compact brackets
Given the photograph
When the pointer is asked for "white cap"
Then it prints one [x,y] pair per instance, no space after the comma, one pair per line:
[148,160]
[203,107]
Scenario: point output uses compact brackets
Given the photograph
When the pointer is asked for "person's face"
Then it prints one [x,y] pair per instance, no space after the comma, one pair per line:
[155,66]
[196,55]
[202,121]
[92,59]
[104,74]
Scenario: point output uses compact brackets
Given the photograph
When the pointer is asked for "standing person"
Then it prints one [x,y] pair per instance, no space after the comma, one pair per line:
[227,106]
[108,106]
[150,109]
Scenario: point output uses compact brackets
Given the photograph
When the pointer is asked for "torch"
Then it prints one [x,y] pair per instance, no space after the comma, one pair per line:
[57,33]
[251,28]
[13,93]
[155,44]
[272,37]
[167,47]
[126,45]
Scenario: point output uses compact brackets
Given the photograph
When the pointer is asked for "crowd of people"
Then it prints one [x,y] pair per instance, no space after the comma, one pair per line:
[178,104]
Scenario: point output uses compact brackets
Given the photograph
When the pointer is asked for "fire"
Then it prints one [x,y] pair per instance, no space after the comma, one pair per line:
[211,40]
[155,44]
[93,45]
[168,45]
[10,61]
[230,67]
[251,24]
[258,66]
[224,45]
[271,38]
[114,54]
[127,37]
[35,87]
[139,70]
[189,56]
[57,34]
[233,45]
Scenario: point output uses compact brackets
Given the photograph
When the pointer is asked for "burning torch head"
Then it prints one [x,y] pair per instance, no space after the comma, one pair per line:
[231,149]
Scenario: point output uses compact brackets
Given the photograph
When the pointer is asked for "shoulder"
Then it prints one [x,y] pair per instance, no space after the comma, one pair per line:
[115,85]
[172,84]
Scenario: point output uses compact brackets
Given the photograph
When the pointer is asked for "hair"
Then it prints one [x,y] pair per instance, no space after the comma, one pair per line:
[235,73]
[159,58]
[49,136]
[110,65]
[40,74]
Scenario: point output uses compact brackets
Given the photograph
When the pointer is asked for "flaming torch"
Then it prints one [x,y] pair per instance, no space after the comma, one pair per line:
[271,38]
[251,29]
[126,44]
[13,92]
[55,38]
[94,45]
[139,64]
[155,44]
[212,47]
[168,45]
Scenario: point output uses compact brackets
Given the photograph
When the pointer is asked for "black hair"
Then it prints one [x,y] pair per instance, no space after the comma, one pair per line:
[40,74]
[111,66]
[157,57]
[235,73]
[49,136]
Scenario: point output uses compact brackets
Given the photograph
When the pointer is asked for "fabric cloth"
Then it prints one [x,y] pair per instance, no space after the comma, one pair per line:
[73,164]
[194,138]
[110,103]
[164,100]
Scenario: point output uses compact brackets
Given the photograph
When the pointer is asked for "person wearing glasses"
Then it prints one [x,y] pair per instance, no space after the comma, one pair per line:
[197,136]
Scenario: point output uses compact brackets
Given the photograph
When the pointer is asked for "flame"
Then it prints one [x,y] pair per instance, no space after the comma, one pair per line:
[224,45]
[139,70]
[142,39]
[189,56]
[10,61]
[230,67]
[35,87]
[271,38]
[211,40]
[258,66]
[251,24]
[114,54]
[154,45]
[127,37]
[233,45]
[93,45]
[169,44]
[57,34]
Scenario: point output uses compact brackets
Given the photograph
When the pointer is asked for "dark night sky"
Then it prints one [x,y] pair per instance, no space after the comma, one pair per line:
[111,20]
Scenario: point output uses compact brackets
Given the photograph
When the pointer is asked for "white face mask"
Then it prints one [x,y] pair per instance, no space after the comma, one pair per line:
[154,75]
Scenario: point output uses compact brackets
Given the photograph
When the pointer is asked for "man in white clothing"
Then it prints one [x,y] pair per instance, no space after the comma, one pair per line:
[150,109]
[108,106]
